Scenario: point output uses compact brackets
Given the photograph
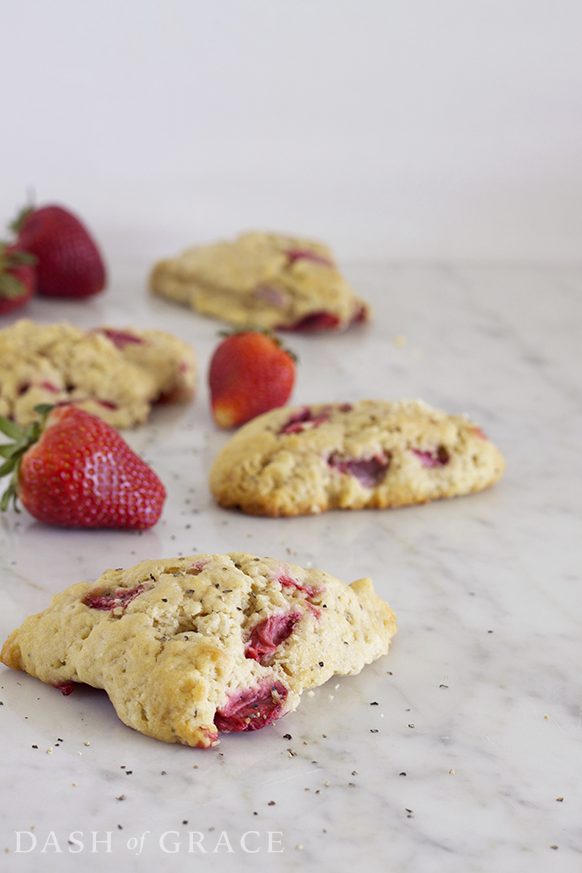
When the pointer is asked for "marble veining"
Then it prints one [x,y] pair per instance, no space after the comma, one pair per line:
[461,750]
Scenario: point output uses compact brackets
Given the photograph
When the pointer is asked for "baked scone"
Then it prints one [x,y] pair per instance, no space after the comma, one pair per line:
[294,461]
[262,280]
[188,647]
[115,374]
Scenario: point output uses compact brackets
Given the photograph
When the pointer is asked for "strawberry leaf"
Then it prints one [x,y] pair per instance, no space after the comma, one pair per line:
[10,428]
[23,438]
[16,225]
[8,450]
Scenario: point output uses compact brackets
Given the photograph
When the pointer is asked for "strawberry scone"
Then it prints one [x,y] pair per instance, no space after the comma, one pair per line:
[376,454]
[188,647]
[262,280]
[117,374]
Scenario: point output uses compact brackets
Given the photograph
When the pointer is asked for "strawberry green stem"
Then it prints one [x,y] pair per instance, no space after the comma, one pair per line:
[23,439]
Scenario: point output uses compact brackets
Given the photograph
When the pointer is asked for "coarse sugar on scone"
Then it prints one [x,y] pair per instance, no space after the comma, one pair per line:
[370,454]
[117,374]
[188,647]
[262,280]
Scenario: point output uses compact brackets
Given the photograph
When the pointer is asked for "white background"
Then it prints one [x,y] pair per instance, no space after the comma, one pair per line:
[392,130]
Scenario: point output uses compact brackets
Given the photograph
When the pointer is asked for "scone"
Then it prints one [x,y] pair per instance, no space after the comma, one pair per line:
[294,461]
[262,280]
[115,374]
[188,647]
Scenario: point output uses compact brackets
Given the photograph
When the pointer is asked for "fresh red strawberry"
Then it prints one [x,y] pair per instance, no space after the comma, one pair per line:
[69,262]
[72,469]
[250,373]
[17,278]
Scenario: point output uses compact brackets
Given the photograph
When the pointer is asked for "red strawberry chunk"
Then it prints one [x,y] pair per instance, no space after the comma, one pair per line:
[306,255]
[436,458]
[270,295]
[253,708]
[321,320]
[302,420]
[48,386]
[310,590]
[66,688]
[121,338]
[370,472]
[210,736]
[360,315]
[121,597]
[267,636]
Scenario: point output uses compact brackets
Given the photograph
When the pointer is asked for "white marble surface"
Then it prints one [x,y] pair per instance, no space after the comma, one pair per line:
[454,752]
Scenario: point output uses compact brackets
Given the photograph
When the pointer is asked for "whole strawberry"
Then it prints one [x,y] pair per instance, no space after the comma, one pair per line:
[17,278]
[68,261]
[72,469]
[250,373]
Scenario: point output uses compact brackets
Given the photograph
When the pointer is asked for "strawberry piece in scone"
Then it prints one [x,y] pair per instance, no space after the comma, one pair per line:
[263,280]
[190,647]
[372,454]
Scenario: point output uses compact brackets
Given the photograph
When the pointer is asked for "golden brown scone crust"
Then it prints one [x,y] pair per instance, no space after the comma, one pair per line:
[372,454]
[262,280]
[114,373]
[180,644]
